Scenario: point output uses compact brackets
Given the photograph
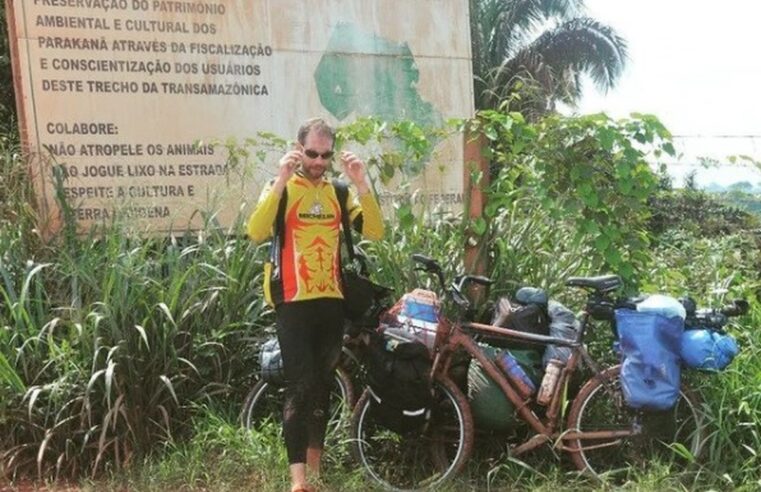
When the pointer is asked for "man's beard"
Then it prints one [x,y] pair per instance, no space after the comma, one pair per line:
[315,173]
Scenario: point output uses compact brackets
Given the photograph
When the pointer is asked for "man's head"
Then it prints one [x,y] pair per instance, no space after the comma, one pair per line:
[316,137]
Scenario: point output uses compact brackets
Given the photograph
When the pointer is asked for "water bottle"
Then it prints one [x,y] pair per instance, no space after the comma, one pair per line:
[549,381]
[522,383]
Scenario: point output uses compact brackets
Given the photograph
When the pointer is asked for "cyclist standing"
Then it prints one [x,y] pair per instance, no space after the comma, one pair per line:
[304,284]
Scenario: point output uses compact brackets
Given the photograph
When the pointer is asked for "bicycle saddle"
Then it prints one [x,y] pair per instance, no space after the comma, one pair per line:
[602,284]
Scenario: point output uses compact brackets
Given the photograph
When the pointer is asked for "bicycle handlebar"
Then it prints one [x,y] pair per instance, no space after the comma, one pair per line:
[455,291]
[717,318]
[430,266]
[739,307]
[428,263]
[476,279]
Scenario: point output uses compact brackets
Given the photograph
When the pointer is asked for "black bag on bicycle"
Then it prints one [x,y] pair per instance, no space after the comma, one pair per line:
[399,384]
[531,318]
[359,292]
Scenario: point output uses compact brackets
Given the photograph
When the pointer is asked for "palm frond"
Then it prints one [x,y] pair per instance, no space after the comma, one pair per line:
[542,44]
[585,45]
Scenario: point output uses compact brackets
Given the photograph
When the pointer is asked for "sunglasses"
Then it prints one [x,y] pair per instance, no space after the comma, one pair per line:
[313,154]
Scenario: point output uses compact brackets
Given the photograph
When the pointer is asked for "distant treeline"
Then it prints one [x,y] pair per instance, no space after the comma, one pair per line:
[740,186]
[750,202]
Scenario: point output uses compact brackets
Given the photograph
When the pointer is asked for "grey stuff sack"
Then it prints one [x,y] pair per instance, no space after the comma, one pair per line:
[563,324]
[271,362]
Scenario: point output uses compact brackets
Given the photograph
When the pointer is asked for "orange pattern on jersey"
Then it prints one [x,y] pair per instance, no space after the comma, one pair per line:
[310,256]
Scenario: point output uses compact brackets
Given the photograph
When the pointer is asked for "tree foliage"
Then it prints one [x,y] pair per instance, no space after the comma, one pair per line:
[591,172]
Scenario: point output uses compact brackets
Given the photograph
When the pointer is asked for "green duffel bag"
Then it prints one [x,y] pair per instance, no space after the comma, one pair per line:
[490,407]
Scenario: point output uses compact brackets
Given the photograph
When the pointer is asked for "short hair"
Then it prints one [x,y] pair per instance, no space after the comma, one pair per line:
[319,126]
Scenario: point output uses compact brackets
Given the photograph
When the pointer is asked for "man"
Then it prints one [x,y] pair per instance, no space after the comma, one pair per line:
[305,284]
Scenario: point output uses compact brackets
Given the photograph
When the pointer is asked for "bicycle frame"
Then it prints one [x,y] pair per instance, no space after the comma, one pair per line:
[452,336]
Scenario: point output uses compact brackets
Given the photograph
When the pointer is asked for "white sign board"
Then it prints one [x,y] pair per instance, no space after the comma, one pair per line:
[120,98]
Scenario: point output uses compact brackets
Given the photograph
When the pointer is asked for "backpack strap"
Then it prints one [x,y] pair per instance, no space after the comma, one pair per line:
[278,238]
[280,217]
[342,193]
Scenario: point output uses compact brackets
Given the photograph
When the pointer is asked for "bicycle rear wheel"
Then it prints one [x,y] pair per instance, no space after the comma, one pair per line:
[674,437]
[264,403]
[420,458]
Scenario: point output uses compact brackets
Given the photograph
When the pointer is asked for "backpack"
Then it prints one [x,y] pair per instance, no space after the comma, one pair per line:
[399,384]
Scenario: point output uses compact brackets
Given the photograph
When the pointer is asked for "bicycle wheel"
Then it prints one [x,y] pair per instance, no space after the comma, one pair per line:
[264,403]
[673,436]
[420,458]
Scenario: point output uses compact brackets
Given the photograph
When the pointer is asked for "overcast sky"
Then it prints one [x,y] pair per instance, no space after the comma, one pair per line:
[696,65]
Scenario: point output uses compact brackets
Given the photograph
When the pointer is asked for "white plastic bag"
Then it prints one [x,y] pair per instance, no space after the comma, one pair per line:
[664,305]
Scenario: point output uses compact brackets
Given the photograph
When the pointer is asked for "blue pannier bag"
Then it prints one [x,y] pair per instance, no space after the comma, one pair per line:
[707,350]
[650,372]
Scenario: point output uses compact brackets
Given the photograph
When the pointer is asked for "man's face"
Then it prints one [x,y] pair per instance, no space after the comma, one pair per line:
[317,151]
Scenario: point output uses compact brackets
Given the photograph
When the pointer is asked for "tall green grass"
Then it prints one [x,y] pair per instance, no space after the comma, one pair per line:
[732,402]
[110,342]
[714,270]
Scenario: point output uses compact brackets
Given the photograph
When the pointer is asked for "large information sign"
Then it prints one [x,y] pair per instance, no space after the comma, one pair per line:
[119,100]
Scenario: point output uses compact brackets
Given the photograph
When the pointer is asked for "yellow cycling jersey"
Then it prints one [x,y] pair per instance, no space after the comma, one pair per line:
[309,263]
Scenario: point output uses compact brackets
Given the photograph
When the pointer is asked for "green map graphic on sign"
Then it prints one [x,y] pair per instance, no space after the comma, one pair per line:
[364,74]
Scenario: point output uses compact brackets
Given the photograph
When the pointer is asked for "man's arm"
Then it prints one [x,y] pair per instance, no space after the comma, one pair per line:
[366,214]
[263,217]
[261,220]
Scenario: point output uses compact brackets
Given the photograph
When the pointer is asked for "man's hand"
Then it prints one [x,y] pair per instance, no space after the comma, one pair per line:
[354,169]
[287,166]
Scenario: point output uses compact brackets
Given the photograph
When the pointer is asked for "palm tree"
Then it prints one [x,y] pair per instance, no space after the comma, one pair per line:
[533,53]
